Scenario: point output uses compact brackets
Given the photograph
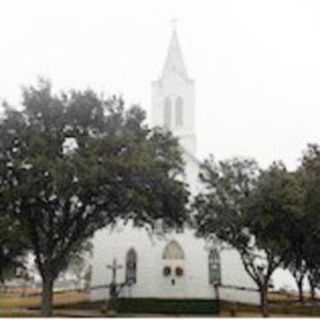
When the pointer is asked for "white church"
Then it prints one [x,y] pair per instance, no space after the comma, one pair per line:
[177,266]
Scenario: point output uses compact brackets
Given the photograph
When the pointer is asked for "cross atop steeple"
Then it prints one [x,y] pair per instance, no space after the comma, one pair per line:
[174,60]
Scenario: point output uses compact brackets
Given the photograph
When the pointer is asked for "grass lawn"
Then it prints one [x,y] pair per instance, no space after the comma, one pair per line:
[13,305]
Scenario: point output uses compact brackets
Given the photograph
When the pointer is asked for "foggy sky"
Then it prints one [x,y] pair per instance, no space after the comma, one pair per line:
[256,63]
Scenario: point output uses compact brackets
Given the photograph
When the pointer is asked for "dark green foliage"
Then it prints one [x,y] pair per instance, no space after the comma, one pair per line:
[251,210]
[221,209]
[12,247]
[73,163]
[309,172]
[296,234]
[276,205]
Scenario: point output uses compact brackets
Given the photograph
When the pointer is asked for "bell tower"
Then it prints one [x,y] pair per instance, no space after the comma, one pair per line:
[173,97]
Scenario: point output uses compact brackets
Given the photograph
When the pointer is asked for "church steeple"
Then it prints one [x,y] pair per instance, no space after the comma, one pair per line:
[174,61]
[173,98]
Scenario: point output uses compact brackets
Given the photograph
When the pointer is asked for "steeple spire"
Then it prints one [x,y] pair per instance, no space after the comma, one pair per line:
[174,60]
[173,98]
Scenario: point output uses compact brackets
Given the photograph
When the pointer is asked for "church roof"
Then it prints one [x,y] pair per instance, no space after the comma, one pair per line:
[174,61]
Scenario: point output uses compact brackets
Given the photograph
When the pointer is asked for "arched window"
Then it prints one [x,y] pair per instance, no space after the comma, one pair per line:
[131,266]
[214,267]
[173,251]
[167,113]
[179,112]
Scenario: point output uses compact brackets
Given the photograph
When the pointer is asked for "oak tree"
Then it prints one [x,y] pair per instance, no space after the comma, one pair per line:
[248,209]
[76,162]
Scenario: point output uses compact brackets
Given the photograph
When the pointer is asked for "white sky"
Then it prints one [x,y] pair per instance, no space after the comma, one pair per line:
[256,63]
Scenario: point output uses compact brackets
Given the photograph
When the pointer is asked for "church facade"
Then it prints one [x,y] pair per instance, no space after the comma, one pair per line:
[177,265]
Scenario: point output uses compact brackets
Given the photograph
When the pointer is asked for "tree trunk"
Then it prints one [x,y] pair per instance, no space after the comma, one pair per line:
[47,296]
[264,300]
[217,294]
[300,289]
[299,277]
[313,292]
[312,285]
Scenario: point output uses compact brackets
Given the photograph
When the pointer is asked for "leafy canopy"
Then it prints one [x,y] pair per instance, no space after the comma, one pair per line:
[75,162]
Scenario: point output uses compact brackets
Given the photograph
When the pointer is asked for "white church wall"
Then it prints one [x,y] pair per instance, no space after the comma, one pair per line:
[236,283]
[150,279]
[192,174]
[151,283]
[233,272]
